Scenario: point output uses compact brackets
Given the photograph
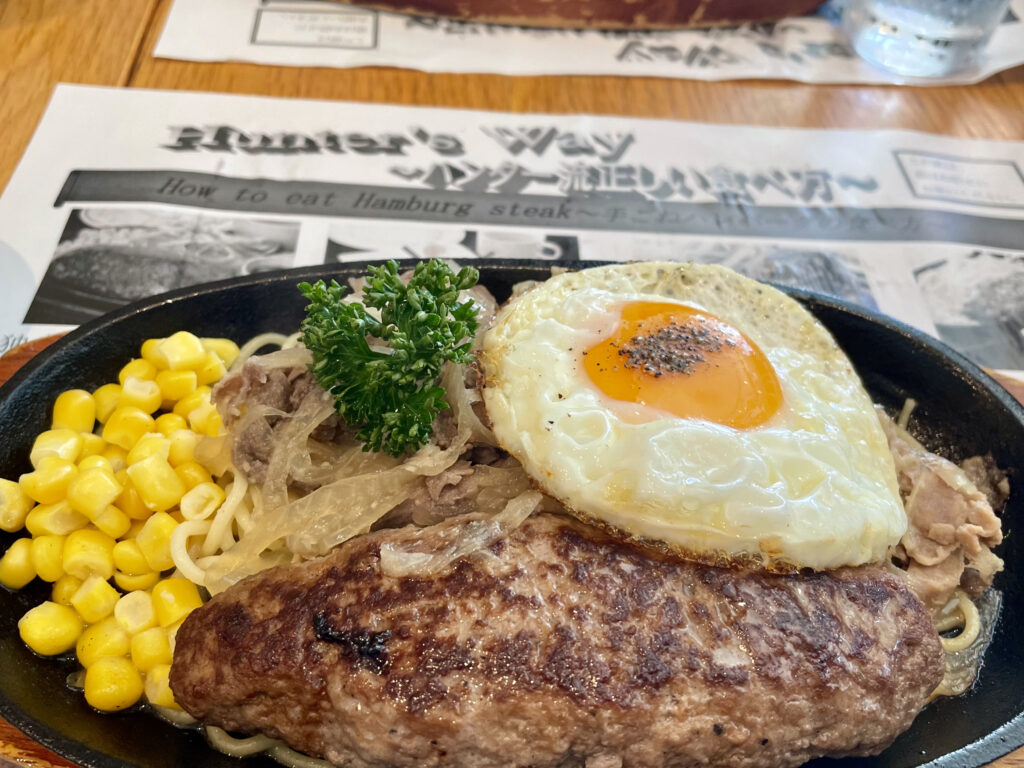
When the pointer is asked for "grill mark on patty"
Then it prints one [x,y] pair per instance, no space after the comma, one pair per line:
[651,670]
[365,648]
[509,665]
[234,625]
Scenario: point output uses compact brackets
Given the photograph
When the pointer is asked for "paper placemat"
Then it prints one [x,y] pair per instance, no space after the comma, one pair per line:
[328,34]
[125,193]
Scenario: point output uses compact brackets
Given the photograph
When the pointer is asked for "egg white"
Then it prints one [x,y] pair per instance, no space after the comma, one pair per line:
[813,487]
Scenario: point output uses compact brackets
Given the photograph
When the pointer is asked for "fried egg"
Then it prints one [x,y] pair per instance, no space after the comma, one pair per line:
[686,404]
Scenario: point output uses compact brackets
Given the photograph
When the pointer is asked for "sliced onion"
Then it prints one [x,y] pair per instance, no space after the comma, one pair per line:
[318,522]
[461,398]
[289,357]
[410,555]
[291,445]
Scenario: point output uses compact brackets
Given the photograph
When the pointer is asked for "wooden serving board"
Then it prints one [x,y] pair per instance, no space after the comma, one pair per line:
[19,751]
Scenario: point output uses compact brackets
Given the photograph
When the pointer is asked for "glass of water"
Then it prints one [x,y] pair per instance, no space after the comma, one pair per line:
[922,38]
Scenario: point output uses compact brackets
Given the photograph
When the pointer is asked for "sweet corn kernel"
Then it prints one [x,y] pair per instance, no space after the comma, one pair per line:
[130,502]
[92,445]
[135,613]
[149,444]
[113,522]
[48,557]
[15,505]
[98,641]
[181,350]
[92,491]
[174,599]
[16,565]
[106,399]
[50,629]
[62,443]
[134,582]
[88,552]
[139,368]
[112,684]
[183,446]
[64,589]
[211,370]
[225,349]
[129,559]
[205,420]
[192,473]
[169,423]
[150,647]
[175,385]
[143,394]
[117,456]
[189,403]
[126,425]
[96,462]
[148,352]
[156,483]
[155,541]
[202,501]
[95,599]
[49,483]
[137,526]
[75,410]
[158,687]
[54,519]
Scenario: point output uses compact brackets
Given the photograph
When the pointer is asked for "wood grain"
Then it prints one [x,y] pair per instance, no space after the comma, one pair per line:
[20,355]
[110,42]
[44,42]
[990,110]
[18,751]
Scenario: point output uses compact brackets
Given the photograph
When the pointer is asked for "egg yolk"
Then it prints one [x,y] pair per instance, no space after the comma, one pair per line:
[687,362]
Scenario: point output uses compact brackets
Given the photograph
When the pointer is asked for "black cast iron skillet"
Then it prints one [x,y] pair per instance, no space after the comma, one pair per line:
[962,412]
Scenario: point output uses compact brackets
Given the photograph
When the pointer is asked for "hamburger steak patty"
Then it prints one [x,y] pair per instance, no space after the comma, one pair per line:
[560,646]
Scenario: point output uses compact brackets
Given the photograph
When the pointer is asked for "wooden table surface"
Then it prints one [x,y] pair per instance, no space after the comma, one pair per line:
[110,42]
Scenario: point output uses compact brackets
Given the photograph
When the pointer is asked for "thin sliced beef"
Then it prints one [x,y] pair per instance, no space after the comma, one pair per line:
[279,390]
[989,479]
[560,646]
[952,526]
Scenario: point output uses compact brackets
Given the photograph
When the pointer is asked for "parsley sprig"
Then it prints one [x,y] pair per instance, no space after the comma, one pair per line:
[391,396]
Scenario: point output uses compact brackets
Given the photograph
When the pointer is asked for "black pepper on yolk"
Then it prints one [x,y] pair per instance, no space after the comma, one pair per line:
[687,362]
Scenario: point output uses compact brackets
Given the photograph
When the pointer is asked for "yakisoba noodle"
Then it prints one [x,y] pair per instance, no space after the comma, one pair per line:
[247,746]
[960,613]
[256,343]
